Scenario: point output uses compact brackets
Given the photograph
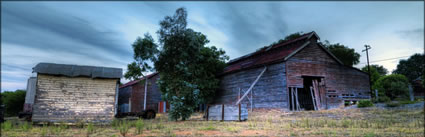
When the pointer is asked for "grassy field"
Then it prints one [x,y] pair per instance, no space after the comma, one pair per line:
[365,122]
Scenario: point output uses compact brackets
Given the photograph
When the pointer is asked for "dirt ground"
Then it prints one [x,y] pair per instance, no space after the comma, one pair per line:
[365,122]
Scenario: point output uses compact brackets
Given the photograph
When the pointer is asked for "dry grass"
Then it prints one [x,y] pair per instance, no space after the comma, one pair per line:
[356,122]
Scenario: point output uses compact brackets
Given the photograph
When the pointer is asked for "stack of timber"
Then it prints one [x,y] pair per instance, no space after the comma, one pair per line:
[228,112]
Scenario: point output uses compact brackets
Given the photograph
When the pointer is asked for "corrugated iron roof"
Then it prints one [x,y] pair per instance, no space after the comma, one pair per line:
[77,70]
[137,81]
[267,55]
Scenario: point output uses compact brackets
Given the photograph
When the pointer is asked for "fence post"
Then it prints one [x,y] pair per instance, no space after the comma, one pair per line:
[376,94]
[222,112]
[411,93]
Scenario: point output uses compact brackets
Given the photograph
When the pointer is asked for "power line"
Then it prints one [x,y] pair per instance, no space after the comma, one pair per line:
[385,59]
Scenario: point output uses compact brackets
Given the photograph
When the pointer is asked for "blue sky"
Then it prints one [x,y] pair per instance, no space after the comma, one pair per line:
[101,33]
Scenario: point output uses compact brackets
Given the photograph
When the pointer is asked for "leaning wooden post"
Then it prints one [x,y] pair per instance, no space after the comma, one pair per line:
[296,99]
[312,97]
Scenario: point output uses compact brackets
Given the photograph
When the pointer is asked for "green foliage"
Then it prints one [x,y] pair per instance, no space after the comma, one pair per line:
[6,126]
[288,37]
[26,126]
[186,66]
[124,126]
[393,104]
[364,103]
[412,68]
[139,126]
[13,101]
[145,51]
[384,98]
[374,74]
[90,129]
[44,130]
[392,86]
[346,55]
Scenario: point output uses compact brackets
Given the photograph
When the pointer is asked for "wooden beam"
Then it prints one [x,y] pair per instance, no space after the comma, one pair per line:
[312,97]
[252,85]
[316,93]
[222,112]
[292,99]
[296,99]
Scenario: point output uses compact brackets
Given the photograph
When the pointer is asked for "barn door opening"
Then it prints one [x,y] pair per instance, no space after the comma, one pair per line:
[300,99]
[312,92]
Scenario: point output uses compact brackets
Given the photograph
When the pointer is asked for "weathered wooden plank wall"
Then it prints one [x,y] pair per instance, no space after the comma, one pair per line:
[73,99]
[269,92]
[314,61]
[153,96]
[231,112]
[30,94]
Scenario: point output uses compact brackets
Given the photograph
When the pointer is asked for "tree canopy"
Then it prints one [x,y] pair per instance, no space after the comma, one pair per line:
[187,68]
[13,101]
[376,71]
[145,51]
[392,86]
[412,68]
[346,55]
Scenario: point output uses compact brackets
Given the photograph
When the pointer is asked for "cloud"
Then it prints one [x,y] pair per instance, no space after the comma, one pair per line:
[33,33]
[415,34]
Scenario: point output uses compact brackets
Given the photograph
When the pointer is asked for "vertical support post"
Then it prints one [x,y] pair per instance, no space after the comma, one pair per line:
[376,95]
[292,99]
[411,93]
[368,67]
[222,112]
[251,100]
[146,93]
[239,105]
[208,111]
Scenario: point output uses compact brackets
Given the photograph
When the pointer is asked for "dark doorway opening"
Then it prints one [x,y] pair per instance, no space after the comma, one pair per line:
[303,97]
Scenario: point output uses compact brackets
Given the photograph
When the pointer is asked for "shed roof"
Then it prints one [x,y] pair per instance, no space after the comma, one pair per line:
[271,54]
[137,81]
[77,70]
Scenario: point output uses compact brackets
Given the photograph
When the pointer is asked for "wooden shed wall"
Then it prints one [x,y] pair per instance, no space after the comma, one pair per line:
[73,99]
[269,92]
[138,93]
[314,61]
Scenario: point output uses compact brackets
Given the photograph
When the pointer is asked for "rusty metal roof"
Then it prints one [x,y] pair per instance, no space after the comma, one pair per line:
[77,70]
[137,81]
[274,53]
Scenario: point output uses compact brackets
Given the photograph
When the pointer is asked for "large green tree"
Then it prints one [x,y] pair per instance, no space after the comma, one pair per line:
[376,71]
[186,66]
[412,68]
[145,52]
[346,55]
[392,86]
[13,102]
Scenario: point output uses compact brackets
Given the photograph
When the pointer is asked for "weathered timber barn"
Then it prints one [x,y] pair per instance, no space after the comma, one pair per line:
[72,93]
[299,74]
[132,96]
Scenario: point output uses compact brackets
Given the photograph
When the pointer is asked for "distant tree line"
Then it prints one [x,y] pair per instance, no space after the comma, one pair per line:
[13,102]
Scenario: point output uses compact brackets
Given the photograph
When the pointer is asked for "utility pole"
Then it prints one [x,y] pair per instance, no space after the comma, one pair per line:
[368,67]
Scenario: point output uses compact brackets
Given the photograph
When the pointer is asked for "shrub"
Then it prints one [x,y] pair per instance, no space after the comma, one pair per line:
[383,99]
[26,126]
[393,104]
[90,129]
[115,123]
[392,86]
[6,125]
[365,103]
[139,126]
[123,127]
